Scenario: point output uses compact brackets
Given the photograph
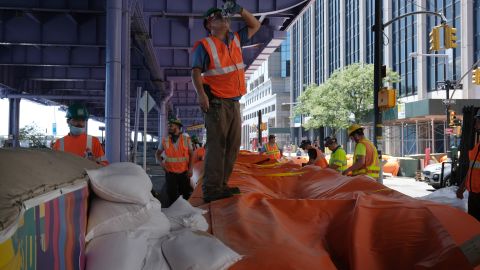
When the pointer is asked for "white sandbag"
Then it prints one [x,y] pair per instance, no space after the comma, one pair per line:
[121,182]
[155,259]
[116,251]
[197,250]
[109,217]
[448,195]
[183,215]
[157,226]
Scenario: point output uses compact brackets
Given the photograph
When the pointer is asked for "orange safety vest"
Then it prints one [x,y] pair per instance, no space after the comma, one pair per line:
[372,164]
[199,154]
[226,71]
[82,145]
[473,175]
[177,156]
[322,161]
[272,151]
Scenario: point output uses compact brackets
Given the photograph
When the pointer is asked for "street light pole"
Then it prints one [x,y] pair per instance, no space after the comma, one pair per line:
[377,79]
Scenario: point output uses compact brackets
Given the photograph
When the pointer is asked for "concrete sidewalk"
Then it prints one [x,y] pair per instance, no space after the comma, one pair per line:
[408,186]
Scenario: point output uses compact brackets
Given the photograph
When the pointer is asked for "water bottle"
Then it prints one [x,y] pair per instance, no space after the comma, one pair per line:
[227,7]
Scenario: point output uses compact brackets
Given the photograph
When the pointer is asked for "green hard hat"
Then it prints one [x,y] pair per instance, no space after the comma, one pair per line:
[77,111]
[175,121]
[194,139]
[210,11]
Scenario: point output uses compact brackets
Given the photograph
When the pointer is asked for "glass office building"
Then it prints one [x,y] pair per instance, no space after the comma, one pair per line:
[333,34]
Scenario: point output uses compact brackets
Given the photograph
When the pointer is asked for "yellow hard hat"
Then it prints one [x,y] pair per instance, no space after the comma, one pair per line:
[353,128]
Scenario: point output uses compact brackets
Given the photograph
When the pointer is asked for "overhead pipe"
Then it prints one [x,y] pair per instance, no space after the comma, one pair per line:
[162,114]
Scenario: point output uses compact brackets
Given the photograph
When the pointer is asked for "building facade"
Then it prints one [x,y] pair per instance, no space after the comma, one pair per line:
[333,34]
[268,92]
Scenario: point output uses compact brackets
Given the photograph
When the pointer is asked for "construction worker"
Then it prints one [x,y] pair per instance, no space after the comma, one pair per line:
[271,148]
[198,150]
[78,142]
[218,75]
[175,156]
[365,157]
[472,180]
[319,159]
[338,158]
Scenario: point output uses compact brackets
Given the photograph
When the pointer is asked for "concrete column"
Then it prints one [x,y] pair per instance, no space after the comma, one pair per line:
[326,38]
[422,47]
[125,102]
[467,47]
[362,16]
[14,121]
[113,82]
[388,15]
[342,33]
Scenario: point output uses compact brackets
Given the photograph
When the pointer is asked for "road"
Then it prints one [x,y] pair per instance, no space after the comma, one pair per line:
[408,186]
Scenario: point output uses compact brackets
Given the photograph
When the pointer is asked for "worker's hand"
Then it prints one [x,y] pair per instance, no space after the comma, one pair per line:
[345,172]
[460,193]
[232,7]
[203,101]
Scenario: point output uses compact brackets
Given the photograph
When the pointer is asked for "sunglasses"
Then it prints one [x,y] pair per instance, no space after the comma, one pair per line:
[215,16]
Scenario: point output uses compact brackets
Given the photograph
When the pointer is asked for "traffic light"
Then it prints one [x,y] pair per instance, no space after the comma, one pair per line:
[450,37]
[451,118]
[435,39]
[476,76]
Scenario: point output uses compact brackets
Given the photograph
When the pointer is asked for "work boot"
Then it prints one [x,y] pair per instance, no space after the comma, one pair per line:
[234,190]
[218,196]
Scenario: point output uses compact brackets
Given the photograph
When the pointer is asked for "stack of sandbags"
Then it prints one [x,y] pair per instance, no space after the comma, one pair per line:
[128,229]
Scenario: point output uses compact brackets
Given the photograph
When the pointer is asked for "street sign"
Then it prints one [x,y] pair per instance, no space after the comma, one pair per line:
[449,101]
[449,131]
[150,102]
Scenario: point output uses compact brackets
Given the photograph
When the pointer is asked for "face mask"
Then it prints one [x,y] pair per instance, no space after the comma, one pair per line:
[76,130]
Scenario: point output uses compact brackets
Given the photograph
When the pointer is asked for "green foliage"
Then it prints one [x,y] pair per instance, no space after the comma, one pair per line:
[33,135]
[346,97]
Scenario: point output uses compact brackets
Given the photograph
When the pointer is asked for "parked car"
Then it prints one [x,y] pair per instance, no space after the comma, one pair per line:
[432,174]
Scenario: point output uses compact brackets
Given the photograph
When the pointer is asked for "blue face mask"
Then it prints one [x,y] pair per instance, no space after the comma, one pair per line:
[76,130]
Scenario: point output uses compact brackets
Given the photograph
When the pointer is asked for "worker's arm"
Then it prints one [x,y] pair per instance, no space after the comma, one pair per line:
[158,156]
[253,24]
[333,166]
[198,84]
[190,163]
[356,166]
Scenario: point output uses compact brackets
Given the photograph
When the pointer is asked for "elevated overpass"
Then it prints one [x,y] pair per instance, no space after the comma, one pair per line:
[102,52]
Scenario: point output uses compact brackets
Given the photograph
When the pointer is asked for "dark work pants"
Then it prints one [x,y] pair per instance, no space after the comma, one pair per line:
[223,124]
[474,205]
[177,184]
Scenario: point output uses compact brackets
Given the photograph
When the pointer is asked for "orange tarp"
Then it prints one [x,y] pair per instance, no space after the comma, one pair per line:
[289,217]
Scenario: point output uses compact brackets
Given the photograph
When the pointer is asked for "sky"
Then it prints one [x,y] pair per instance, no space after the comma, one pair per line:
[45,117]
[42,116]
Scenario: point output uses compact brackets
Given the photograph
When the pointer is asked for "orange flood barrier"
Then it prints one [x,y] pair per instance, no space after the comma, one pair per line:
[289,217]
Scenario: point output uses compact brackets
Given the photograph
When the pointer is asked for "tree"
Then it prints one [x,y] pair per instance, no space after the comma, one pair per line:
[33,135]
[346,97]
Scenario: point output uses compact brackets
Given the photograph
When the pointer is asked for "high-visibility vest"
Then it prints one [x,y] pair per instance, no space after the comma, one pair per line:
[226,72]
[339,158]
[272,151]
[82,145]
[473,175]
[199,154]
[322,161]
[371,166]
[177,156]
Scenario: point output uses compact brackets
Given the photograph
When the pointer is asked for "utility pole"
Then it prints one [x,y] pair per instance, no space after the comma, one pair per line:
[377,79]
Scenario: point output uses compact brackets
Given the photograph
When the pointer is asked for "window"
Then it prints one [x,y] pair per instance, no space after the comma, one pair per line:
[320,43]
[352,36]
[334,33]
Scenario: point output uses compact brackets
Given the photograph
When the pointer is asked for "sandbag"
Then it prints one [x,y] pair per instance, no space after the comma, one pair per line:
[196,250]
[109,217]
[448,196]
[116,251]
[155,259]
[122,182]
[183,215]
